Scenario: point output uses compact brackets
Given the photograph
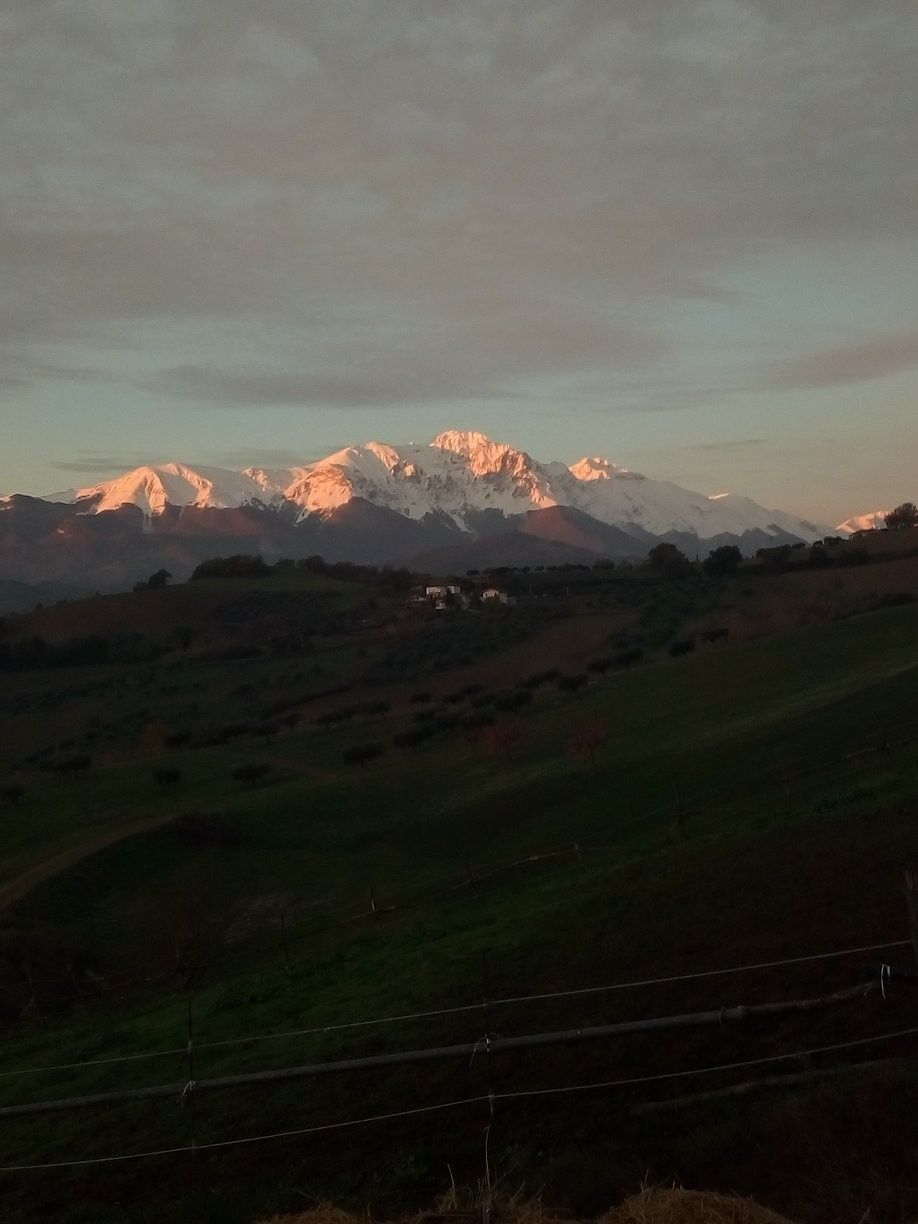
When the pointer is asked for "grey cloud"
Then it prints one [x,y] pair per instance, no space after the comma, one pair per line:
[858,362]
[92,463]
[446,201]
[265,390]
[443,359]
[728,445]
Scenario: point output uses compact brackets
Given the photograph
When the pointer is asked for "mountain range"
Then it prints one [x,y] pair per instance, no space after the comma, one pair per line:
[460,501]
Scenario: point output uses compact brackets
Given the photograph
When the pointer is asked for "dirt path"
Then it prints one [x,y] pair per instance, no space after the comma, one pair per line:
[14,890]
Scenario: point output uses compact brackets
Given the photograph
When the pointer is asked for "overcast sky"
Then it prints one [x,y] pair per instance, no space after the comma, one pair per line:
[680,234]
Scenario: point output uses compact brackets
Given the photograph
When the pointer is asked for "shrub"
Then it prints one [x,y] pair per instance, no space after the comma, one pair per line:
[475,722]
[73,765]
[359,754]
[601,666]
[904,515]
[12,792]
[177,739]
[238,566]
[268,730]
[715,635]
[251,772]
[540,677]
[573,683]
[231,731]
[682,648]
[896,599]
[514,700]
[413,737]
[723,561]
[666,559]
[169,776]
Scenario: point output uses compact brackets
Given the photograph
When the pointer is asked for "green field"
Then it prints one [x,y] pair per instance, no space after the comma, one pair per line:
[749,802]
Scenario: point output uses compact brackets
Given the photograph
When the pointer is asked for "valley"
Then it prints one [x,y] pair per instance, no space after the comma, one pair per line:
[297,802]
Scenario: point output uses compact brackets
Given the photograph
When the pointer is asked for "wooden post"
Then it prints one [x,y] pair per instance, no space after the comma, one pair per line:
[471,875]
[679,809]
[488,1197]
[911,900]
[34,1004]
[74,977]
[283,934]
[190,1086]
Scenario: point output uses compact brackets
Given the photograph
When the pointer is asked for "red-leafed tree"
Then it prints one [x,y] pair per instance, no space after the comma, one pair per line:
[502,739]
[586,742]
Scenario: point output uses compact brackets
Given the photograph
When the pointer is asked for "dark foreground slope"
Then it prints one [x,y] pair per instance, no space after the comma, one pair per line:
[738,806]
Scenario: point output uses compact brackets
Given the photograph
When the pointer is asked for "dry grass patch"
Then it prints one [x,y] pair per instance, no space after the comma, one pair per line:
[650,1206]
[324,1213]
[689,1207]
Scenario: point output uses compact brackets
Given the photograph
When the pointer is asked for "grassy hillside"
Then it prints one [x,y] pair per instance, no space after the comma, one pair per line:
[745,803]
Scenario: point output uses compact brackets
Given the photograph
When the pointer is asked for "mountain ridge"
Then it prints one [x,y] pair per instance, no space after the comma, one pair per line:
[458,474]
[460,502]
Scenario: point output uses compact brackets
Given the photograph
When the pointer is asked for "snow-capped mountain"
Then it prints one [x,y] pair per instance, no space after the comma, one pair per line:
[456,476]
[459,502]
[875,520]
[152,489]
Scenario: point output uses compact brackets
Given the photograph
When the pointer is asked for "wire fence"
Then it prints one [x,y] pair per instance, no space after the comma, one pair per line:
[491,1098]
[465,1008]
[484,1007]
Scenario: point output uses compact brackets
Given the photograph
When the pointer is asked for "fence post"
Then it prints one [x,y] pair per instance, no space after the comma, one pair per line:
[911,900]
[680,812]
[487,1196]
[189,1092]
[471,876]
[283,935]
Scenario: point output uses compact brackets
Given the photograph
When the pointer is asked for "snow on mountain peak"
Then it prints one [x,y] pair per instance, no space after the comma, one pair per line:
[153,488]
[594,467]
[462,441]
[387,455]
[874,520]
[483,455]
[459,474]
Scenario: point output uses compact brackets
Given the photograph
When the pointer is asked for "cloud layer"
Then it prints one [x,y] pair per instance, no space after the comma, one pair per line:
[335,205]
[859,361]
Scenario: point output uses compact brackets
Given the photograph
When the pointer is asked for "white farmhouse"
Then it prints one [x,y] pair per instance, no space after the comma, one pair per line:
[493,595]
